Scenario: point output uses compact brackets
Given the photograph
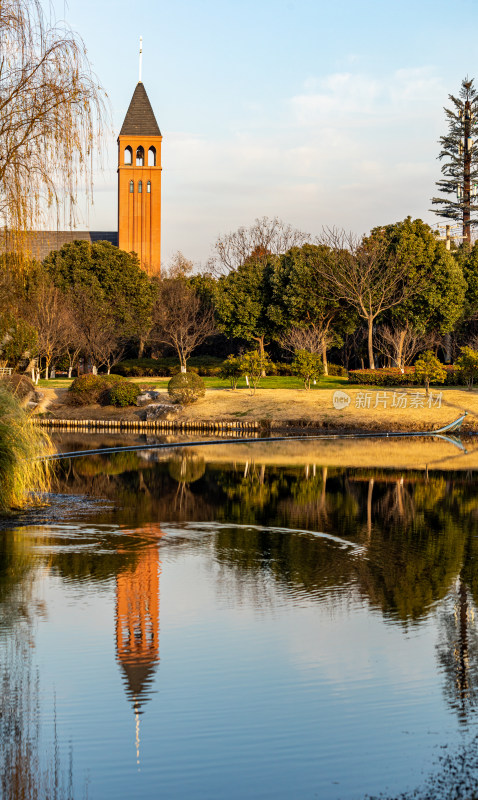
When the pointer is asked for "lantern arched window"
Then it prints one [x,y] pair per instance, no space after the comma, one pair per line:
[140,156]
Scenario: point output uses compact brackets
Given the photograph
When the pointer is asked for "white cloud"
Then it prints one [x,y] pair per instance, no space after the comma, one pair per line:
[349,149]
[354,96]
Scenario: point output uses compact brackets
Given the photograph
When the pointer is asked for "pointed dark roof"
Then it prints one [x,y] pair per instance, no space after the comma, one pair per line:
[140,119]
[138,677]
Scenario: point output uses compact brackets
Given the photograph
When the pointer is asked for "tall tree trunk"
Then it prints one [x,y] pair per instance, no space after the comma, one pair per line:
[401,341]
[324,357]
[467,176]
[447,343]
[370,343]
[462,654]
[182,361]
[260,341]
[369,509]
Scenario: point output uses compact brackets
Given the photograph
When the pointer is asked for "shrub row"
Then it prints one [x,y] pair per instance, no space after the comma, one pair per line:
[395,377]
[166,367]
[207,366]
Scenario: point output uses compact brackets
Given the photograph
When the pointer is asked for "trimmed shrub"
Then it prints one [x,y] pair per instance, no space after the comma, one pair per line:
[89,389]
[383,377]
[186,388]
[283,368]
[336,370]
[187,468]
[123,394]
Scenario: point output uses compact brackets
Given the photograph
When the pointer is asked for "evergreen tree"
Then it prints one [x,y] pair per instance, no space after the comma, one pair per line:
[460,161]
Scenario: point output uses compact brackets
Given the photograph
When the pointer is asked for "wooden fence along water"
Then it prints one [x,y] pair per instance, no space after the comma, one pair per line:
[234,428]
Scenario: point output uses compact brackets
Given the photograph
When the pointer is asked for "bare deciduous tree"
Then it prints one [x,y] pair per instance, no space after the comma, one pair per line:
[265,237]
[51,109]
[181,320]
[402,345]
[178,267]
[100,340]
[366,276]
[314,339]
[48,313]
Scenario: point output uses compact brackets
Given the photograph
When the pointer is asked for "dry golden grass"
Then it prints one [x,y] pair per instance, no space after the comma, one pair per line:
[279,406]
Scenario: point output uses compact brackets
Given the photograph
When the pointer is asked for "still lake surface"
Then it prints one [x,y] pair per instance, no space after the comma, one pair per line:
[178,625]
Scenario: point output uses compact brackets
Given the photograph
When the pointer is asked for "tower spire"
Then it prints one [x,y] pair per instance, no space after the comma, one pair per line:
[140,58]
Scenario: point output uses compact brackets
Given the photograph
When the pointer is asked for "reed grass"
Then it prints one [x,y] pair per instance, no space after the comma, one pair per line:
[24,474]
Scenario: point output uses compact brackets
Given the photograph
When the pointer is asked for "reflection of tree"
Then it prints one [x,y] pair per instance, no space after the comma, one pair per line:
[185,468]
[458,651]
[16,566]
[99,563]
[27,770]
[412,528]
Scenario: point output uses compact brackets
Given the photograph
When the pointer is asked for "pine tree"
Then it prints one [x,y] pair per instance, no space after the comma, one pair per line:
[460,167]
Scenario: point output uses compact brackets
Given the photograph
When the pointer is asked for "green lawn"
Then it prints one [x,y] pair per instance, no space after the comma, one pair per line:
[272,382]
[57,383]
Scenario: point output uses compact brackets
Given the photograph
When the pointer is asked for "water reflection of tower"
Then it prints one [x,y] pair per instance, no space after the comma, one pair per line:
[137,623]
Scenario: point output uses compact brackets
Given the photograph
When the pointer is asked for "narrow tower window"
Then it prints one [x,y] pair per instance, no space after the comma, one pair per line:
[148,187]
[131,187]
[140,187]
[140,157]
[152,157]
[128,156]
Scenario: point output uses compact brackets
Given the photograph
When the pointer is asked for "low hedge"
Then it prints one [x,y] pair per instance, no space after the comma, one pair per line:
[166,367]
[336,370]
[206,366]
[284,368]
[391,376]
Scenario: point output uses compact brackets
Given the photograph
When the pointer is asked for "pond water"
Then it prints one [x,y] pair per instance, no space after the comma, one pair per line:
[184,624]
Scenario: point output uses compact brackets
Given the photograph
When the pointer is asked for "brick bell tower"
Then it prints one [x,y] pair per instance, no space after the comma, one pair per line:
[139,183]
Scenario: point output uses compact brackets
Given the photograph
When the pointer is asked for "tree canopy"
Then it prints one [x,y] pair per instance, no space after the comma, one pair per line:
[117,284]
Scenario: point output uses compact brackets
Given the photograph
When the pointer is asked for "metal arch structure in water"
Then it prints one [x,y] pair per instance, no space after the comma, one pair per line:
[319,437]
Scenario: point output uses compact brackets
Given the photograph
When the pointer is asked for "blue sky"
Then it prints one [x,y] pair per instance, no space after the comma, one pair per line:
[320,113]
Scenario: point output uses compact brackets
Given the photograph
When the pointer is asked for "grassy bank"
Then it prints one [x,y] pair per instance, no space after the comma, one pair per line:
[368,409]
